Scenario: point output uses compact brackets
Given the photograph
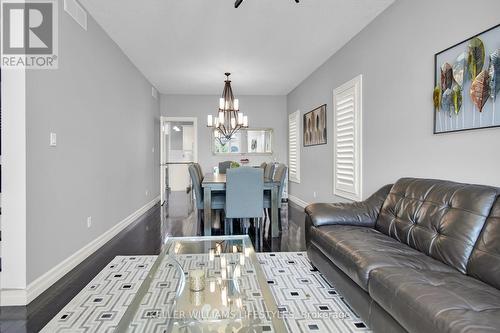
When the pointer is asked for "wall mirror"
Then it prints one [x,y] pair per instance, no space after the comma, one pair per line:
[257,141]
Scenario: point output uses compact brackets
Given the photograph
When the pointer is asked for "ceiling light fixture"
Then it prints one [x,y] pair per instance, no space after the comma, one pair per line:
[239,2]
[229,119]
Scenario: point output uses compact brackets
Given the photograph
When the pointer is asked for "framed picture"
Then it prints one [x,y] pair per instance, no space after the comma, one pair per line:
[315,127]
[466,84]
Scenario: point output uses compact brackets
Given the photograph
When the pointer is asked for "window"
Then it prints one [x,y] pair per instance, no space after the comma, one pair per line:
[294,147]
[347,128]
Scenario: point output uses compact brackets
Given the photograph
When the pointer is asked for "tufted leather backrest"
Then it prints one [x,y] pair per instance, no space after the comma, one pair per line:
[439,218]
[484,262]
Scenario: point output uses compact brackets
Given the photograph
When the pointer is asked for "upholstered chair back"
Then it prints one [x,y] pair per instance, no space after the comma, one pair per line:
[280,176]
[223,166]
[244,192]
[196,183]
[269,170]
[198,169]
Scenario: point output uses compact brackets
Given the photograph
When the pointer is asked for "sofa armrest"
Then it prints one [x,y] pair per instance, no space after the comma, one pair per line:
[362,213]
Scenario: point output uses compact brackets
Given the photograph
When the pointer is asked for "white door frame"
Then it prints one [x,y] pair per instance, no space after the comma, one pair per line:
[163,120]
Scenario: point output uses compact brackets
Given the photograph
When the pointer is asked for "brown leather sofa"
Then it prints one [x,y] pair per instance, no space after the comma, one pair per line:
[418,256]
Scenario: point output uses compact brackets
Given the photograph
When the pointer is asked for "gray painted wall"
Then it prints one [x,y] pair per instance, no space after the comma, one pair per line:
[107,124]
[395,54]
[262,111]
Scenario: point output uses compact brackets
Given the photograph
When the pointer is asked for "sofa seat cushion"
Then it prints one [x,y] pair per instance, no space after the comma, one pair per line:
[358,250]
[430,301]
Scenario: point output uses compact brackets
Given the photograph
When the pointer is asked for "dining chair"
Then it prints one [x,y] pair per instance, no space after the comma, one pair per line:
[245,197]
[269,170]
[279,176]
[218,198]
[223,166]
[199,170]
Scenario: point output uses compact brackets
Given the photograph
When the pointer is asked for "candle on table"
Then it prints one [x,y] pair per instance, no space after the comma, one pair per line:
[197,280]
[237,272]
[223,262]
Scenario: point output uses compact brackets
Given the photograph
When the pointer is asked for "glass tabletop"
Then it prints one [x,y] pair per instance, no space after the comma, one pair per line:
[204,284]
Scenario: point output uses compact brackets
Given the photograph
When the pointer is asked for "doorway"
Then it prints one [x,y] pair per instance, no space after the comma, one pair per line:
[178,149]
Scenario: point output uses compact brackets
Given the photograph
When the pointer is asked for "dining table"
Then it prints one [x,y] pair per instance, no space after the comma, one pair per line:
[217,182]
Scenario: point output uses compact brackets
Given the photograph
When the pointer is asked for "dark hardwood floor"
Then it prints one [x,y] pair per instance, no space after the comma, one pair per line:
[144,237]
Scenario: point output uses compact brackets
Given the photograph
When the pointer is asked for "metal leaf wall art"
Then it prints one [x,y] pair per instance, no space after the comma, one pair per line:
[467,84]
[446,76]
[447,101]
[480,90]
[457,98]
[494,73]
[437,98]
[475,57]
[459,68]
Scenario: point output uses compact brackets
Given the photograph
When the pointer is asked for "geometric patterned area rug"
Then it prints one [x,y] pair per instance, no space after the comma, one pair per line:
[305,298]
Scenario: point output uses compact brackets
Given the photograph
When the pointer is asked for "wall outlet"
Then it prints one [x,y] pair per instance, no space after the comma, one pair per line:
[314,194]
[89,221]
[53,139]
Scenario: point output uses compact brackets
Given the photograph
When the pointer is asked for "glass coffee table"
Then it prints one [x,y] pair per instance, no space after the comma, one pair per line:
[204,284]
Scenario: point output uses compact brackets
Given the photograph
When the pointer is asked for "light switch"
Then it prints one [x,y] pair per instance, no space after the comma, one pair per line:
[53,139]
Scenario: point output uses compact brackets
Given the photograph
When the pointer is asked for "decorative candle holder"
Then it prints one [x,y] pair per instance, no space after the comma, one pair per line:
[197,280]
[237,272]
[197,298]
[212,286]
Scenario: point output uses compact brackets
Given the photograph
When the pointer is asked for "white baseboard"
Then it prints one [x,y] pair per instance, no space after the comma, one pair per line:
[297,201]
[12,297]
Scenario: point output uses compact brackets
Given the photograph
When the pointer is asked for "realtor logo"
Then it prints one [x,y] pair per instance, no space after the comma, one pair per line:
[29,34]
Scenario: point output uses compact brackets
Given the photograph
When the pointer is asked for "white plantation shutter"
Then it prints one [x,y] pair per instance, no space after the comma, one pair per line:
[294,147]
[347,131]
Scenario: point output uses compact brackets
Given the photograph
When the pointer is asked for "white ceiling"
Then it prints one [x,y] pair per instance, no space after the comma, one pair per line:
[270,46]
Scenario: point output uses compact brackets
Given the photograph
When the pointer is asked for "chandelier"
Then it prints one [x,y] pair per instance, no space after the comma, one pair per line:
[229,120]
